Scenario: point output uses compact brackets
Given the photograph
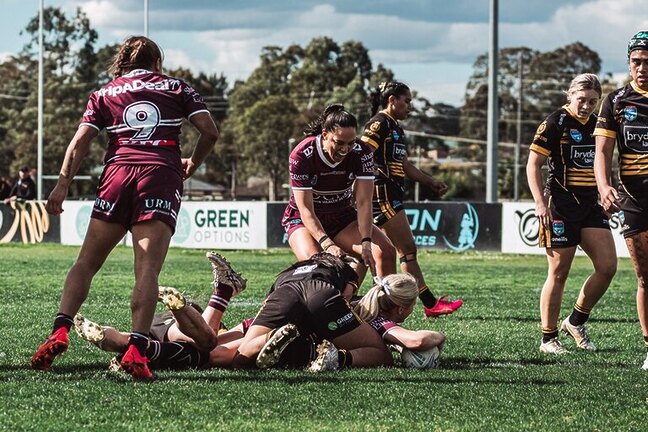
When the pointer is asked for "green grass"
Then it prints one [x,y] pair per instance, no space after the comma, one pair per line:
[492,376]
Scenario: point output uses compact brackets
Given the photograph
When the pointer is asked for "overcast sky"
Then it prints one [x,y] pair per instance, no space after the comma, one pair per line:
[429,44]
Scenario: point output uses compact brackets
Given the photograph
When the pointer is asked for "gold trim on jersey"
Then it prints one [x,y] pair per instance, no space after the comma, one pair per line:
[581,177]
[396,169]
[369,141]
[385,204]
[541,150]
[605,132]
[544,237]
[581,120]
[634,164]
[638,89]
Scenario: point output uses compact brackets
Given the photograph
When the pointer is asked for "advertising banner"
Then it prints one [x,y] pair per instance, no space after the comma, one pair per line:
[200,225]
[520,232]
[27,222]
[439,225]
[455,226]
[221,225]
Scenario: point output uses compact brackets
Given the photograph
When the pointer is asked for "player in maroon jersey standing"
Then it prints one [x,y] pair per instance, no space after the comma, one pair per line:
[331,176]
[140,188]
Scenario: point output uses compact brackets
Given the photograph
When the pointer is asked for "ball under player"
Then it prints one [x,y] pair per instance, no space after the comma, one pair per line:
[623,120]
[568,212]
[331,177]
[387,304]
[386,138]
[140,188]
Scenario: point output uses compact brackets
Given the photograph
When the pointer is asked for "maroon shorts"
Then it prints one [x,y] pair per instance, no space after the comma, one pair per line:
[332,223]
[129,194]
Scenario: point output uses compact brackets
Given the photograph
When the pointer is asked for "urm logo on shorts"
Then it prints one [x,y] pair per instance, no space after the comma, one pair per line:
[630,112]
[558,227]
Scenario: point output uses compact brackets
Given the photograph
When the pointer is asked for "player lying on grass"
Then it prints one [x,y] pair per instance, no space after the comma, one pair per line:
[184,336]
[384,306]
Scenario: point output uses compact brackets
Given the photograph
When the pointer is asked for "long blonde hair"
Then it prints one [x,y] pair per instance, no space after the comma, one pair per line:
[395,290]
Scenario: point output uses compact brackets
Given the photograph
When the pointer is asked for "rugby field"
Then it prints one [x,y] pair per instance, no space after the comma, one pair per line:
[491,378]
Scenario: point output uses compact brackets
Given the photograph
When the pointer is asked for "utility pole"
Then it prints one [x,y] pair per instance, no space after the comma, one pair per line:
[39,162]
[518,141]
[146,18]
[493,109]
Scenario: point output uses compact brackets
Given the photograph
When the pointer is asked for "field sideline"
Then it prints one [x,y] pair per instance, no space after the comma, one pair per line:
[492,376]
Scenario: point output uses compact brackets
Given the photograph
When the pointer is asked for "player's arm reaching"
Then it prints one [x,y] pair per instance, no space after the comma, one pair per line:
[415,174]
[76,151]
[363,190]
[304,201]
[208,135]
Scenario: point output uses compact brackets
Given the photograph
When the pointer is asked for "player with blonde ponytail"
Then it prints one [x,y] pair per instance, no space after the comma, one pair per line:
[388,304]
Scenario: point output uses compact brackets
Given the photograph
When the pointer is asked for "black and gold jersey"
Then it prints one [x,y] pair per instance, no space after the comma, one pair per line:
[624,117]
[567,141]
[387,138]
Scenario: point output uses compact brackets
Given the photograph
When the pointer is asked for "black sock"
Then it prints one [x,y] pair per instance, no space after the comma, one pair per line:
[548,334]
[427,297]
[646,342]
[345,359]
[62,320]
[579,315]
[140,341]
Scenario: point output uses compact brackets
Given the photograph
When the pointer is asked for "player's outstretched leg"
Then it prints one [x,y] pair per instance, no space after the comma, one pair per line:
[171,298]
[277,342]
[88,330]
[224,274]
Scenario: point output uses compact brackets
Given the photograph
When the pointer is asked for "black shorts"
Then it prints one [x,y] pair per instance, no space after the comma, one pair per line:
[313,306]
[387,202]
[163,322]
[568,219]
[175,355]
[634,213]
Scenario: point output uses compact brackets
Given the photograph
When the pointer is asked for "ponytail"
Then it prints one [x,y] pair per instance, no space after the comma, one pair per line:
[333,116]
[394,290]
[136,52]
[380,96]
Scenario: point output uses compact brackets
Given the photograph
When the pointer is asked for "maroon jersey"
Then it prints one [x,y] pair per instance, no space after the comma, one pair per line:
[330,182]
[383,325]
[142,112]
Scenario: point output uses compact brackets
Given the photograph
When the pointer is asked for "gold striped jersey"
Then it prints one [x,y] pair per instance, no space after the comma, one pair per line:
[624,117]
[387,138]
[567,141]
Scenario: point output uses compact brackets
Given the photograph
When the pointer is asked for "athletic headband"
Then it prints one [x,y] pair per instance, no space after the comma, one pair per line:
[638,42]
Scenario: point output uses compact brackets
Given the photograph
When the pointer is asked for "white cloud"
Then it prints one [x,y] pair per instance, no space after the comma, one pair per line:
[235,36]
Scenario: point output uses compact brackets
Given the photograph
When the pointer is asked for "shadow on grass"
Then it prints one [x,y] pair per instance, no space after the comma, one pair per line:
[537,319]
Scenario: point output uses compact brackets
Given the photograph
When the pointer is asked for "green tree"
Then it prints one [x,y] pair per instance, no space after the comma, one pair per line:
[545,77]
[307,79]
[265,150]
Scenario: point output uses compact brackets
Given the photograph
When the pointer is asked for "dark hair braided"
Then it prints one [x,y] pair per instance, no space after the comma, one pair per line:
[136,52]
